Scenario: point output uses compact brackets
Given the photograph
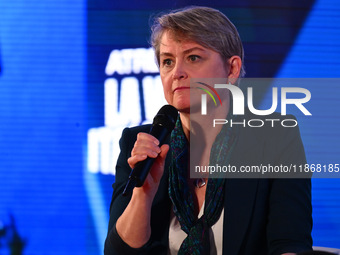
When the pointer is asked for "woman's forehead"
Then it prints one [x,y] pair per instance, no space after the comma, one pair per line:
[170,40]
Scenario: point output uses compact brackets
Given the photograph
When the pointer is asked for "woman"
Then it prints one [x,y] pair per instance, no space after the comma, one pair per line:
[172,213]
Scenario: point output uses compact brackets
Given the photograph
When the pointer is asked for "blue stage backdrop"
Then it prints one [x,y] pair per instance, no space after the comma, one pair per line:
[73,74]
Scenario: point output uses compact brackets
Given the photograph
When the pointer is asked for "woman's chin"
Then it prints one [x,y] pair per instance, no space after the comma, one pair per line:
[183,108]
[187,108]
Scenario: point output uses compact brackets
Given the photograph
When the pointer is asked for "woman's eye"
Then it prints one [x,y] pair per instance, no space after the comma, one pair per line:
[167,62]
[194,58]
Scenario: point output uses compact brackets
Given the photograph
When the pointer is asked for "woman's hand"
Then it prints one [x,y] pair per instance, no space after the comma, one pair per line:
[148,146]
[133,226]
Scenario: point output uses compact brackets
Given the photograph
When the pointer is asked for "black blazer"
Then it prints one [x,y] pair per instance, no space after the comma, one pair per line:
[261,216]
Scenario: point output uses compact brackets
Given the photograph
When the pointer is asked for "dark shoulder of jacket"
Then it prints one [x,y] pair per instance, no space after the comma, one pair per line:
[266,125]
[133,131]
[130,133]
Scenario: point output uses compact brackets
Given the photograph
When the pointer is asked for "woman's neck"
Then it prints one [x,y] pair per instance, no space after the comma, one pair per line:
[201,134]
[197,126]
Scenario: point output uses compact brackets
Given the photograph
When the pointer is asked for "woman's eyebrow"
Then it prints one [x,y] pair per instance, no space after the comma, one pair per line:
[168,54]
[193,49]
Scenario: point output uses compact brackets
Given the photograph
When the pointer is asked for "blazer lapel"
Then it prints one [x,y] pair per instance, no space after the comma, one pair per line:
[239,202]
[240,193]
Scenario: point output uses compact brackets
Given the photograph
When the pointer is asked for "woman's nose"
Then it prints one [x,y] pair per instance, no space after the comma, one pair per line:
[179,71]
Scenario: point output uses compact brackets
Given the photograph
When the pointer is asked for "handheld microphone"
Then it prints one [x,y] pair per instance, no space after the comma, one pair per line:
[163,123]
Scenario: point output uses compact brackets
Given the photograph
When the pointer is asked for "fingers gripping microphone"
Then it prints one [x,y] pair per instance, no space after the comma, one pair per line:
[163,123]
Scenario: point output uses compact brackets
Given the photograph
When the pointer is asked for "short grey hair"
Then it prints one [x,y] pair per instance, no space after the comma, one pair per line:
[203,25]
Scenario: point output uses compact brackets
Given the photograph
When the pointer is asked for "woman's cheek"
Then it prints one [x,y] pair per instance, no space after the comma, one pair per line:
[167,95]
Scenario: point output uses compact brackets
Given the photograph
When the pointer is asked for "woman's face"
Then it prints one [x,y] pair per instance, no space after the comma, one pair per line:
[182,60]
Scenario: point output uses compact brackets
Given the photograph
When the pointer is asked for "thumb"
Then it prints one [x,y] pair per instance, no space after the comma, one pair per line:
[159,163]
[164,151]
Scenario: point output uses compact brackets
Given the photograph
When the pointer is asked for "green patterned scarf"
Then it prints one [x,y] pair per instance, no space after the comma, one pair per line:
[198,241]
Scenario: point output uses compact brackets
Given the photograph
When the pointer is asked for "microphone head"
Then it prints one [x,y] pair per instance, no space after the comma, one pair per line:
[166,117]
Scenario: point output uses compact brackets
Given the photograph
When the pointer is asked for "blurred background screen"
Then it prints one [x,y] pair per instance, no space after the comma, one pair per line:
[73,74]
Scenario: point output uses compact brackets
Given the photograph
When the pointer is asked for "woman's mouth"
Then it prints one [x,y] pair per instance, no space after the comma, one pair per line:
[181,88]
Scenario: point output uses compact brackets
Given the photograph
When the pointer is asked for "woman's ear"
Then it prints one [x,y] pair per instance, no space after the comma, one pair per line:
[235,64]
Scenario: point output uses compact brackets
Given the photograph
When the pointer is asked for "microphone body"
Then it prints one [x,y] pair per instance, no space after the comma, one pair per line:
[163,123]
